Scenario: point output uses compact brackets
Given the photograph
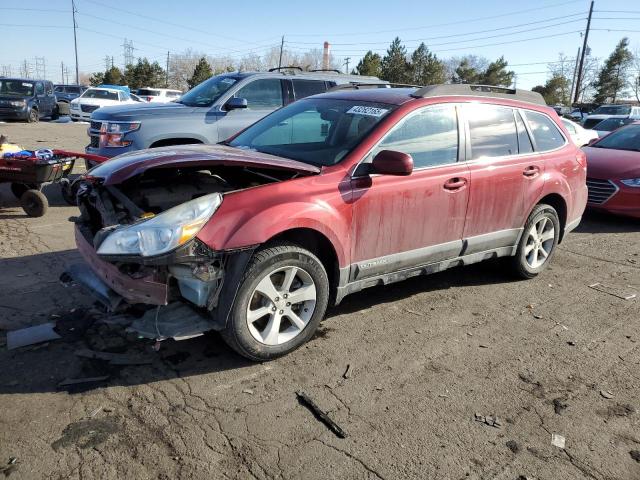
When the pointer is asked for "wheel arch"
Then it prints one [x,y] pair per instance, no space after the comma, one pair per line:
[558,202]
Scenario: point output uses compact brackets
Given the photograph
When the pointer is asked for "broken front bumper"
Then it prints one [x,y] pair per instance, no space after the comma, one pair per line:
[110,286]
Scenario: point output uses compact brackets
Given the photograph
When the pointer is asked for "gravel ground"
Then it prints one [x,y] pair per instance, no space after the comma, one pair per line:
[431,362]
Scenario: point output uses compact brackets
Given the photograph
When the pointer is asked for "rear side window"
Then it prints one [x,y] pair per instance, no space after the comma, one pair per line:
[306,88]
[492,130]
[429,136]
[524,142]
[73,89]
[262,94]
[545,132]
[59,89]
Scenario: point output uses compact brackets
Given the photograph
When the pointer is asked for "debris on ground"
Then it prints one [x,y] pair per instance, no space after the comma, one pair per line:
[114,358]
[77,381]
[558,440]
[571,343]
[513,446]
[635,454]
[31,335]
[95,412]
[617,410]
[491,420]
[559,406]
[10,467]
[606,393]
[347,372]
[248,391]
[320,414]
[614,291]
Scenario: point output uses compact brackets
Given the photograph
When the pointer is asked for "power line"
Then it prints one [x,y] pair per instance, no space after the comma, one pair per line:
[52,10]
[395,30]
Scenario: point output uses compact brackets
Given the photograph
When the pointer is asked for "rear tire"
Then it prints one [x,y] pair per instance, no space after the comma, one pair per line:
[33,116]
[538,242]
[264,326]
[55,113]
[34,203]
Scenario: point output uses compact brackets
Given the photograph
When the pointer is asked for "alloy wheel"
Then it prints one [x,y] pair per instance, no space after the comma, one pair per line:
[540,242]
[281,305]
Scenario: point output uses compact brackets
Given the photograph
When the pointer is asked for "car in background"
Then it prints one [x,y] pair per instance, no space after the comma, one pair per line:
[578,114]
[613,172]
[98,97]
[605,127]
[580,136]
[66,93]
[162,95]
[607,111]
[210,112]
[561,110]
[327,196]
[26,99]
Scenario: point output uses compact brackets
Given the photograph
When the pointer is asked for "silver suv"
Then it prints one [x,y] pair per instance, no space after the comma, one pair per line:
[208,113]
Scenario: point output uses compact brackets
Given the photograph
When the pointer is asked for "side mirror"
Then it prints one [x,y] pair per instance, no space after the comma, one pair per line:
[391,162]
[235,103]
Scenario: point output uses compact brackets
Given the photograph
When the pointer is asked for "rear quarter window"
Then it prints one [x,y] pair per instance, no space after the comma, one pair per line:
[546,134]
[306,88]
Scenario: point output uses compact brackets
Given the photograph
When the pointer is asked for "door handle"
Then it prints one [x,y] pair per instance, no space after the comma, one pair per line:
[531,171]
[455,184]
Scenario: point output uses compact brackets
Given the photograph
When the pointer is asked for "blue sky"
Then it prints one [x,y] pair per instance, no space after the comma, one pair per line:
[528,34]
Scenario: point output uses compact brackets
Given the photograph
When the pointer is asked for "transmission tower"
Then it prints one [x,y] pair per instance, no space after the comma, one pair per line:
[107,62]
[41,67]
[128,52]
[25,69]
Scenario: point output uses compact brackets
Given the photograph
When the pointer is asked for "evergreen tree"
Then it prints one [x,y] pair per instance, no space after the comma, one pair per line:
[201,73]
[113,76]
[96,79]
[144,74]
[466,73]
[612,79]
[426,69]
[497,74]
[555,90]
[394,66]
[371,64]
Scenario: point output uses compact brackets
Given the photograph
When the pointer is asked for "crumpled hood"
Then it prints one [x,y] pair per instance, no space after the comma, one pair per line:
[137,109]
[610,164]
[128,165]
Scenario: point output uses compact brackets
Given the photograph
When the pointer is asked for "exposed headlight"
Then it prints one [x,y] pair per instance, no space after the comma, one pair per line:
[632,182]
[17,103]
[164,232]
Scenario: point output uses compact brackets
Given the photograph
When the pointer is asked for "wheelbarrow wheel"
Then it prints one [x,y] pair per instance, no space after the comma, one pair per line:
[34,203]
[18,189]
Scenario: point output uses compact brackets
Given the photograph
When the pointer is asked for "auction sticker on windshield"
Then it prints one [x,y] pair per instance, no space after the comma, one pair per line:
[369,111]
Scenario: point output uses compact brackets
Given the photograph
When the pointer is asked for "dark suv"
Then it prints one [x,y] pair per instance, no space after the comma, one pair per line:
[26,99]
[255,237]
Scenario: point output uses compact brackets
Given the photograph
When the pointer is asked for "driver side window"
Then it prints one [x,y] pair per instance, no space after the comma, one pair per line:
[39,88]
[262,94]
[430,136]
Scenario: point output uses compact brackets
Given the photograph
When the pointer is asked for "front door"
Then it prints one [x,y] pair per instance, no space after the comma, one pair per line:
[402,222]
[263,95]
[503,167]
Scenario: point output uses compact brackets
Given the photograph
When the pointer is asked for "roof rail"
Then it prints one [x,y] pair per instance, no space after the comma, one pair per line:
[358,86]
[479,90]
[291,67]
[332,70]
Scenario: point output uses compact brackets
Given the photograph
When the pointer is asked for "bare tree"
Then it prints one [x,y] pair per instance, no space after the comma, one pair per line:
[563,69]
[635,73]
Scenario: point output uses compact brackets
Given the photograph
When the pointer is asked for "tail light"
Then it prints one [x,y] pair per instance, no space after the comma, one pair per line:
[149,99]
[581,158]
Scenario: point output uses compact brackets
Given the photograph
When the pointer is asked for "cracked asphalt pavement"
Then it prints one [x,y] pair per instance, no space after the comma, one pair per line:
[428,357]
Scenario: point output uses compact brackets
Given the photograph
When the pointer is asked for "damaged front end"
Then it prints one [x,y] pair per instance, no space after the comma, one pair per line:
[138,241]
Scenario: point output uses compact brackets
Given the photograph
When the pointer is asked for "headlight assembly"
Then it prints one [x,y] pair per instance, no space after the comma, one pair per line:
[164,232]
[631,182]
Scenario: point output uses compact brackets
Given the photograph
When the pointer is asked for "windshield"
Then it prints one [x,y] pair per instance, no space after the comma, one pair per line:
[148,92]
[101,94]
[610,124]
[207,92]
[627,138]
[16,87]
[612,110]
[319,131]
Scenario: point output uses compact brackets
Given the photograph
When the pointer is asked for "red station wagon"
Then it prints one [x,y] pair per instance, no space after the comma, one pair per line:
[256,236]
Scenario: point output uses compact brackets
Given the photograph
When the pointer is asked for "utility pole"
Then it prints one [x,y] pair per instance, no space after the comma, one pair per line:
[75,39]
[281,48]
[166,73]
[61,72]
[575,71]
[584,51]
[346,62]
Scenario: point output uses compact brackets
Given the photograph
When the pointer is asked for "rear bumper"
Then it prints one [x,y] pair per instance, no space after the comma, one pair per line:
[104,281]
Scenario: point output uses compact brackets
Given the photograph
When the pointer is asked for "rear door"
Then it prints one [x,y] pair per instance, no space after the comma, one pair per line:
[50,97]
[403,222]
[504,170]
[263,95]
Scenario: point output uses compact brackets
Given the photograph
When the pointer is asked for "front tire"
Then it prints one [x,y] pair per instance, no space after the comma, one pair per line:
[33,116]
[538,242]
[282,298]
